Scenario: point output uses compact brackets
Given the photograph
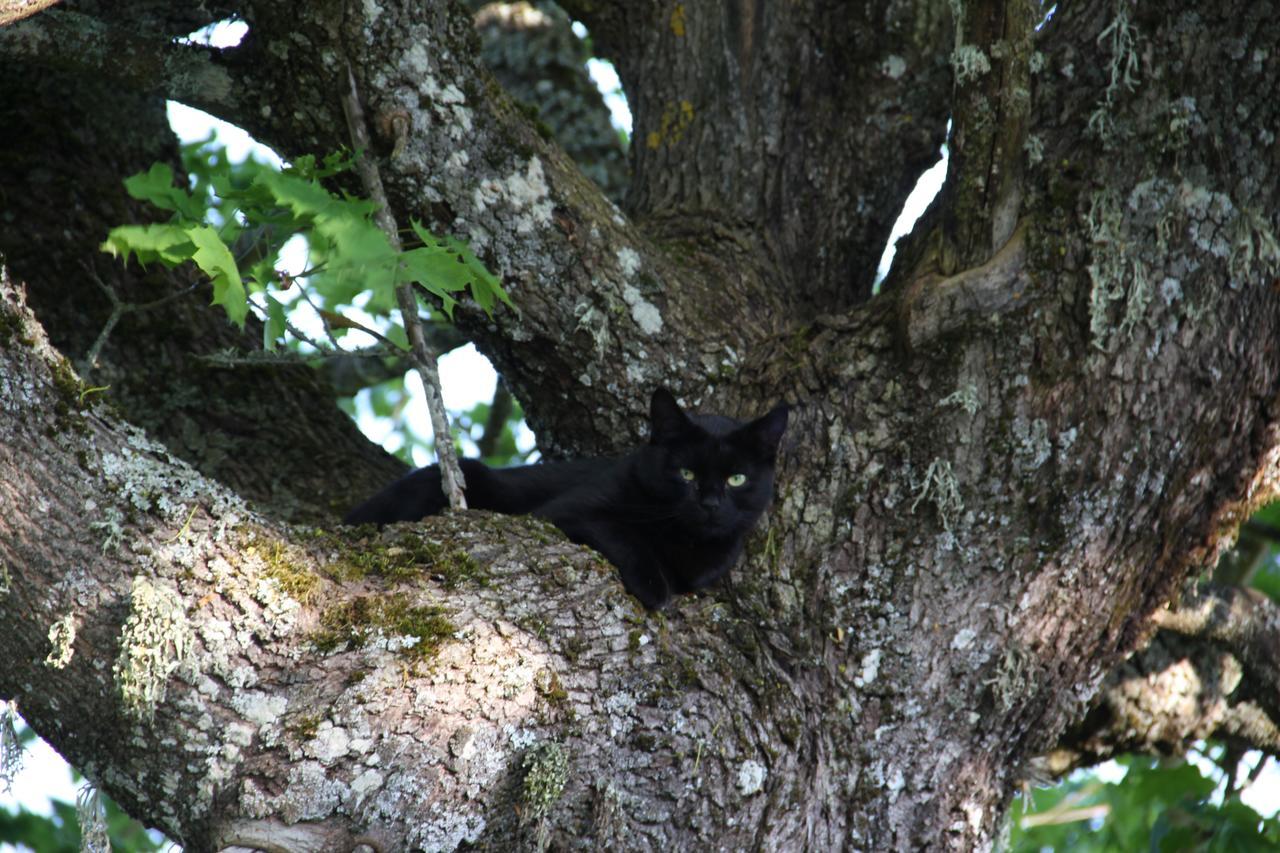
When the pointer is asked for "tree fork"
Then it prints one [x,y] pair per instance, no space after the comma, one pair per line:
[972,526]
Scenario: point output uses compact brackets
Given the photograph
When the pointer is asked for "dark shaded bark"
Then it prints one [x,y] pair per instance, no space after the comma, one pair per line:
[995,474]
[795,131]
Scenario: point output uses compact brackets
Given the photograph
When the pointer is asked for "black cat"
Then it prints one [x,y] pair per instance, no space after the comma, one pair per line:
[671,515]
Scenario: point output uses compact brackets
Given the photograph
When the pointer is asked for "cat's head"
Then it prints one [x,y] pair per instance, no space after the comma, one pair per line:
[717,472]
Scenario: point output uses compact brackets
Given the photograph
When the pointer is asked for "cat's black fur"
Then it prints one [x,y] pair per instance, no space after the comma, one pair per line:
[666,533]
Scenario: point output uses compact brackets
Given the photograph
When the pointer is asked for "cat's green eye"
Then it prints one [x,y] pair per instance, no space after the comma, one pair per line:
[687,475]
[736,480]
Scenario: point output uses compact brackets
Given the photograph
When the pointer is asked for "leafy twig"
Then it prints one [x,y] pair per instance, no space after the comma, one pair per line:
[342,322]
[118,310]
[292,329]
[325,320]
[422,358]
[288,358]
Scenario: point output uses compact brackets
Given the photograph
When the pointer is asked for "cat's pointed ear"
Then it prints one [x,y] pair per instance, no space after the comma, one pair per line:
[763,434]
[667,421]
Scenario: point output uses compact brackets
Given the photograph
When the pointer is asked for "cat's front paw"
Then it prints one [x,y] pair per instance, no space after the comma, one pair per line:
[650,588]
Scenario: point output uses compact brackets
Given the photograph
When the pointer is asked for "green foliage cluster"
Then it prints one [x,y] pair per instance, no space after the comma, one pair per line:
[235,219]
[1158,806]
[352,623]
[59,832]
[233,222]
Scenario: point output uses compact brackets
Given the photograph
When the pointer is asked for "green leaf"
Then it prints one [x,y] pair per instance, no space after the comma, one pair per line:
[156,186]
[308,199]
[397,335]
[486,288]
[439,272]
[164,243]
[216,260]
[446,265]
[361,252]
[447,304]
[356,253]
[334,162]
[274,328]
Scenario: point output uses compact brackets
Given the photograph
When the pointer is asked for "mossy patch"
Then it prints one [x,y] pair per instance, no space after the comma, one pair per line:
[11,327]
[458,567]
[355,621]
[573,646]
[688,674]
[305,726]
[295,579]
[70,403]
[407,558]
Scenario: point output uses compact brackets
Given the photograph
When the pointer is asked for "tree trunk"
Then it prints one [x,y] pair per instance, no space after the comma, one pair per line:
[996,472]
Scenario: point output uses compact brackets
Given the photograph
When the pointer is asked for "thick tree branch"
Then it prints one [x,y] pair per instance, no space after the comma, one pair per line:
[16,10]
[968,532]
[1244,622]
[1167,697]
[149,63]
[983,192]
[419,681]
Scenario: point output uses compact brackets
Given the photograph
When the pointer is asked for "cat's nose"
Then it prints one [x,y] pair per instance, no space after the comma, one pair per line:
[710,502]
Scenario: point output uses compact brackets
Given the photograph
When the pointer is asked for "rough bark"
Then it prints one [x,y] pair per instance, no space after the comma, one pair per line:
[995,474]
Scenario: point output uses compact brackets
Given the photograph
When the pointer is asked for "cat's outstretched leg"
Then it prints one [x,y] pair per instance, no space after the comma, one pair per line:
[419,494]
[412,497]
